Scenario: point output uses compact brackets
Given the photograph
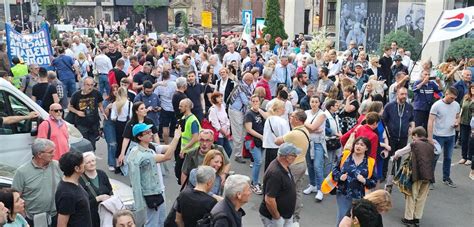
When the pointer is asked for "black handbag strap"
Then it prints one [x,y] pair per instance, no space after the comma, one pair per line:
[89,185]
[44,95]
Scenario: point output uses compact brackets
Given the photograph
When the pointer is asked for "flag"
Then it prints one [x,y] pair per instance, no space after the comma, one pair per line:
[452,24]
[246,34]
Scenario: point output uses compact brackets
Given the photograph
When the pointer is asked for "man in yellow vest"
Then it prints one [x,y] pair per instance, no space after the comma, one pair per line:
[18,70]
[190,135]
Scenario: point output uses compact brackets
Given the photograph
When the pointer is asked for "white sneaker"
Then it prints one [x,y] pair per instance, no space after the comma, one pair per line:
[310,189]
[296,224]
[111,168]
[319,196]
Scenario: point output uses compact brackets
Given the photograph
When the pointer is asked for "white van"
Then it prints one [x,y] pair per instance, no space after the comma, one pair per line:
[16,139]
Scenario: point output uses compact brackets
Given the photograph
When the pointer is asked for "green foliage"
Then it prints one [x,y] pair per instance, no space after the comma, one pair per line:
[404,40]
[185,24]
[140,6]
[319,41]
[274,24]
[54,34]
[461,48]
[123,34]
[56,7]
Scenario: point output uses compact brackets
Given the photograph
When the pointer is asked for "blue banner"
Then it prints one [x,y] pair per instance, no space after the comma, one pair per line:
[31,48]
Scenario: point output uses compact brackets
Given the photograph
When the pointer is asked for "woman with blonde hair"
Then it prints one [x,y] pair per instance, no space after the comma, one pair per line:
[83,66]
[121,112]
[275,126]
[381,199]
[214,159]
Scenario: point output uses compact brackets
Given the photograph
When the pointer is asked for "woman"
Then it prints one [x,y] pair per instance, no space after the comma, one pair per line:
[204,62]
[374,68]
[214,159]
[220,121]
[333,133]
[16,206]
[466,116]
[97,185]
[354,174]
[109,129]
[120,114]
[261,93]
[186,66]
[123,218]
[381,199]
[208,90]
[84,66]
[254,122]
[348,114]
[315,123]
[275,126]
[139,116]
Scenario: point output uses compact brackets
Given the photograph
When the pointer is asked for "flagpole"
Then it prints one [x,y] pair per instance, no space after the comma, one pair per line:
[426,42]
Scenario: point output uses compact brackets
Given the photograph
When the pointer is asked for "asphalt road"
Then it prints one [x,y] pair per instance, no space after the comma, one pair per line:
[445,206]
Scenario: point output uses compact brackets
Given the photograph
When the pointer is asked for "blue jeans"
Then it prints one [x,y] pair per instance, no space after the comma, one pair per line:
[343,205]
[156,218]
[316,166]
[447,145]
[257,161]
[329,163]
[69,86]
[110,138]
[224,142]
[104,84]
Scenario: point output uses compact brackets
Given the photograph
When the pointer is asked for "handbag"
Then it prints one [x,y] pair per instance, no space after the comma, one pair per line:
[333,144]
[403,177]
[154,201]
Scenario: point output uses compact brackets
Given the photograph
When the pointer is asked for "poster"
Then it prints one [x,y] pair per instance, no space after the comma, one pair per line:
[352,25]
[374,25]
[246,17]
[31,48]
[206,19]
[259,25]
[411,19]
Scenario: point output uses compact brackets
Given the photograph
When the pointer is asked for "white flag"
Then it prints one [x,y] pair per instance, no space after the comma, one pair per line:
[246,33]
[453,23]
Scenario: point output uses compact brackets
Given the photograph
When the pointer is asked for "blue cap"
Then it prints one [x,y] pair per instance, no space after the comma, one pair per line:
[288,149]
[139,128]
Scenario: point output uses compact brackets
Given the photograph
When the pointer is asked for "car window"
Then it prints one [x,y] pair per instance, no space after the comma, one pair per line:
[18,108]
[4,129]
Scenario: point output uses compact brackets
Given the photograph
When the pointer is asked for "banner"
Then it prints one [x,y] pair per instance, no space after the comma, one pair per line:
[31,48]
[452,24]
[259,25]
[206,19]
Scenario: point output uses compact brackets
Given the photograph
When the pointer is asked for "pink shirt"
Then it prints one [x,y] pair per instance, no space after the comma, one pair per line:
[263,83]
[59,135]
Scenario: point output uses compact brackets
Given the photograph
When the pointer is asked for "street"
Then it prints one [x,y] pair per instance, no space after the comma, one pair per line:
[445,206]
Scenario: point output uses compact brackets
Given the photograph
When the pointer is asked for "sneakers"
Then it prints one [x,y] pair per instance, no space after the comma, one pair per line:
[462,161]
[239,159]
[432,187]
[471,175]
[468,162]
[111,169]
[251,165]
[408,222]
[296,224]
[256,189]
[310,189]
[449,182]
[319,196]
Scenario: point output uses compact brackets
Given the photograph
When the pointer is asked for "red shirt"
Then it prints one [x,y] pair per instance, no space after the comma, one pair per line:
[263,83]
[59,136]
[364,131]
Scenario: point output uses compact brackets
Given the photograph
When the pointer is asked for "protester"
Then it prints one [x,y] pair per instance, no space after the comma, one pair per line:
[43,93]
[64,66]
[152,102]
[165,91]
[423,98]
[15,205]
[220,121]
[123,218]
[55,129]
[465,127]
[214,159]
[30,80]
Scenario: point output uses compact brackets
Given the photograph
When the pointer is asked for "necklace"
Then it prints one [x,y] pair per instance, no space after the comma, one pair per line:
[401,110]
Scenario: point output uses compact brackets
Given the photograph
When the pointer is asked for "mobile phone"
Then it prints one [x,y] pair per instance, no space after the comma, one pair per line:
[432,78]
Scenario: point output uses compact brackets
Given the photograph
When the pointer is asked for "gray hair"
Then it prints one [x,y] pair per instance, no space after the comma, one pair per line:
[205,174]
[40,145]
[181,82]
[234,184]
[52,75]
[267,72]
[89,153]
[309,60]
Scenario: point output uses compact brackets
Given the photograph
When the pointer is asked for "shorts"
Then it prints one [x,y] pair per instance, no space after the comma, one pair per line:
[167,119]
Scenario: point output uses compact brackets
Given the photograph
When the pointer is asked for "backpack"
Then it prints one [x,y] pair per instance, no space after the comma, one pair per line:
[209,220]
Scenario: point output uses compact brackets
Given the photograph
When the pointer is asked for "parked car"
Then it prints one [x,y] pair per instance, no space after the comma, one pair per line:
[236,31]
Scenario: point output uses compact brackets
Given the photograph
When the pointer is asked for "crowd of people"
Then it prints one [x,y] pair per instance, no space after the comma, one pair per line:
[199,103]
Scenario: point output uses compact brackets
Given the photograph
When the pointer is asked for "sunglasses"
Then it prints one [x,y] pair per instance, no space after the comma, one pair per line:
[57,111]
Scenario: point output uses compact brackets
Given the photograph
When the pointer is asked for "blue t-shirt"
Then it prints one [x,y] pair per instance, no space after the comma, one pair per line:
[64,65]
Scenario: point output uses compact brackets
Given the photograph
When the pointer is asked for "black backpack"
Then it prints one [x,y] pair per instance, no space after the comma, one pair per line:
[210,219]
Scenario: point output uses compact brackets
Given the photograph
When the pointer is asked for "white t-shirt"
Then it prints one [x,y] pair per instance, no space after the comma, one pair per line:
[445,117]
[310,118]
[229,57]
[288,108]
[124,115]
[280,127]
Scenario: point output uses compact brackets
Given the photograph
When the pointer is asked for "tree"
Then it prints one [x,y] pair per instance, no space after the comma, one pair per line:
[54,8]
[217,5]
[461,48]
[185,23]
[274,24]
[141,6]
[404,40]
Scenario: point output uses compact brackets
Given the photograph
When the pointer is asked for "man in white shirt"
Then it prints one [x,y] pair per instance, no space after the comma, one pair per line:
[231,55]
[245,58]
[78,47]
[67,50]
[103,65]
[302,55]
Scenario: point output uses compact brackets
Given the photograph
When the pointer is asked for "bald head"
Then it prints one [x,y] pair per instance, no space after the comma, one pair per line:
[248,78]
[185,105]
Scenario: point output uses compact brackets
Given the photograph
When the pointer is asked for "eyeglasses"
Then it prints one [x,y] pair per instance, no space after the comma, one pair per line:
[57,110]
[206,140]
[50,151]
[90,85]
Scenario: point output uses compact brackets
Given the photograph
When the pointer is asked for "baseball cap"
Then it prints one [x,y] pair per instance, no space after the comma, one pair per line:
[397,58]
[288,149]
[139,128]
[359,64]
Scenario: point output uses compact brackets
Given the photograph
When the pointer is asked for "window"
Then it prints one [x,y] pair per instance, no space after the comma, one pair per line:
[331,19]
[18,108]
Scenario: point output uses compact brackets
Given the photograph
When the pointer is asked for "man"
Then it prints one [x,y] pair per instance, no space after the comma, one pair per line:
[224,85]
[165,59]
[134,68]
[236,194]
[4,61]
[423,99]
[36,181]
[179,94]
[406,61]
[103,65]
[67,49]
[86,104]
[238,107]
[279,189]
[152,102]
[408,26]
[301,87]
[19,70]
[399,120]
[302,55]
[401,80]
[284,50]
[142,76]
[72,201]
[195,92]
[366,130]
[193,203]
[264,82]
[311,70]
[125,83]
[231,56]
[15,119]
[283,75]
[78,46]
[398,67]
[55,129]
[324,85]
[191,128]
[463,85]
[30,80]
[299,136]
[393,49]
[113,54]
[360,77]
[195,157]
[64,66]
[43,93]
[116,74]
[386,63]
[334,66]
[253,63]
[244,59]
[165,90]
[422,157]
[442,124]
[310,91]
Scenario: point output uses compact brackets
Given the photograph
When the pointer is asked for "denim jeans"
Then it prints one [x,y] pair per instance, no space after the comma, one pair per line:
[156,218]
[69,86]
[257,161]
[316,165]
[447,145]
[110,138]
[224,142]
[330,161]
[344,203]
[104,84]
